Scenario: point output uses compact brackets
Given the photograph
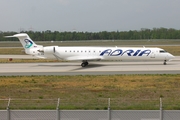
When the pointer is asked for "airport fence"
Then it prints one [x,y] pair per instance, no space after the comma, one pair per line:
[106,114]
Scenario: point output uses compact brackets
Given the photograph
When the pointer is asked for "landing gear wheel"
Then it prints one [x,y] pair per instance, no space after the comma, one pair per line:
[164,62]
[84,64]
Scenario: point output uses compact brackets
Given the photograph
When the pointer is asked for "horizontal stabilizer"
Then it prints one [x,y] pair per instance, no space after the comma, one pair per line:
[18,35]
[8,36]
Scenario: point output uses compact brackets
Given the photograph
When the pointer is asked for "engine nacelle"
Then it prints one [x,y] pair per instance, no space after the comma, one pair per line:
[50,49]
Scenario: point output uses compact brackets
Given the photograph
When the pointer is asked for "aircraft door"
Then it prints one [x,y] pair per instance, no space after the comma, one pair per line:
[153,54]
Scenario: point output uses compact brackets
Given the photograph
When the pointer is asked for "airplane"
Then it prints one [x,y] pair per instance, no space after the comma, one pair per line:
[86,54]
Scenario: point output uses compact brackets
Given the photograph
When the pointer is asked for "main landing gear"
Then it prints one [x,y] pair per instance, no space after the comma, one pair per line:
[84,64]
[164,62]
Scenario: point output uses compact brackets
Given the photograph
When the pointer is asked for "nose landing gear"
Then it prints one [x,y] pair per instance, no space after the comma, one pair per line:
[164,62]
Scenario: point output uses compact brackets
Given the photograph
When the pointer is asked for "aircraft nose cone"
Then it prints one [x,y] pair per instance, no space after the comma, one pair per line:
[171,56]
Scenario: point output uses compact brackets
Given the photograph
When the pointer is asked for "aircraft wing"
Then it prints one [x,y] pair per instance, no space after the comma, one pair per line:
[88,58]
[80,58]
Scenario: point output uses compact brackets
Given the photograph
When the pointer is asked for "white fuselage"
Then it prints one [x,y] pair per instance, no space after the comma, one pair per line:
[86,54]
[105,53]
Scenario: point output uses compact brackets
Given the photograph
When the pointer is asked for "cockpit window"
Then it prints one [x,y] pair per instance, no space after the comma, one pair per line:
[162,51]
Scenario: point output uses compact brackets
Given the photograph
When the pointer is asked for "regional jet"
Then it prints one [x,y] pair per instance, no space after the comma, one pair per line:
[86,54]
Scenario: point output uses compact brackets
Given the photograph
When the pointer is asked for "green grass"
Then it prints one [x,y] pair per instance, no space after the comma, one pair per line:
[3,60]
[12,51]
[140,92]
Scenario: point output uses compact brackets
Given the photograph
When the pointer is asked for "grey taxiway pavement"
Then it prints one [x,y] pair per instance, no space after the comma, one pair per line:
[94,68]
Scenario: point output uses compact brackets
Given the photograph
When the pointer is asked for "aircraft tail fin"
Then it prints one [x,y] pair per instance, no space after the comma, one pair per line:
[28,44]
[25,40]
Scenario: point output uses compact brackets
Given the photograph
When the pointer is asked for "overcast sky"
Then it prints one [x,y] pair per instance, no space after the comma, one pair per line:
[88,15]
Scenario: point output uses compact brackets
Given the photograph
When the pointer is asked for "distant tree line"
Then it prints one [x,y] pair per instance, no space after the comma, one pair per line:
[144,33]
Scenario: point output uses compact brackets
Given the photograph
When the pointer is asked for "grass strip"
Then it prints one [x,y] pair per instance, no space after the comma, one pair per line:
[139,92]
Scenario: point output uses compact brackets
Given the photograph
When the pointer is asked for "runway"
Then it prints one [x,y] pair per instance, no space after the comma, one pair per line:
[94,68]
